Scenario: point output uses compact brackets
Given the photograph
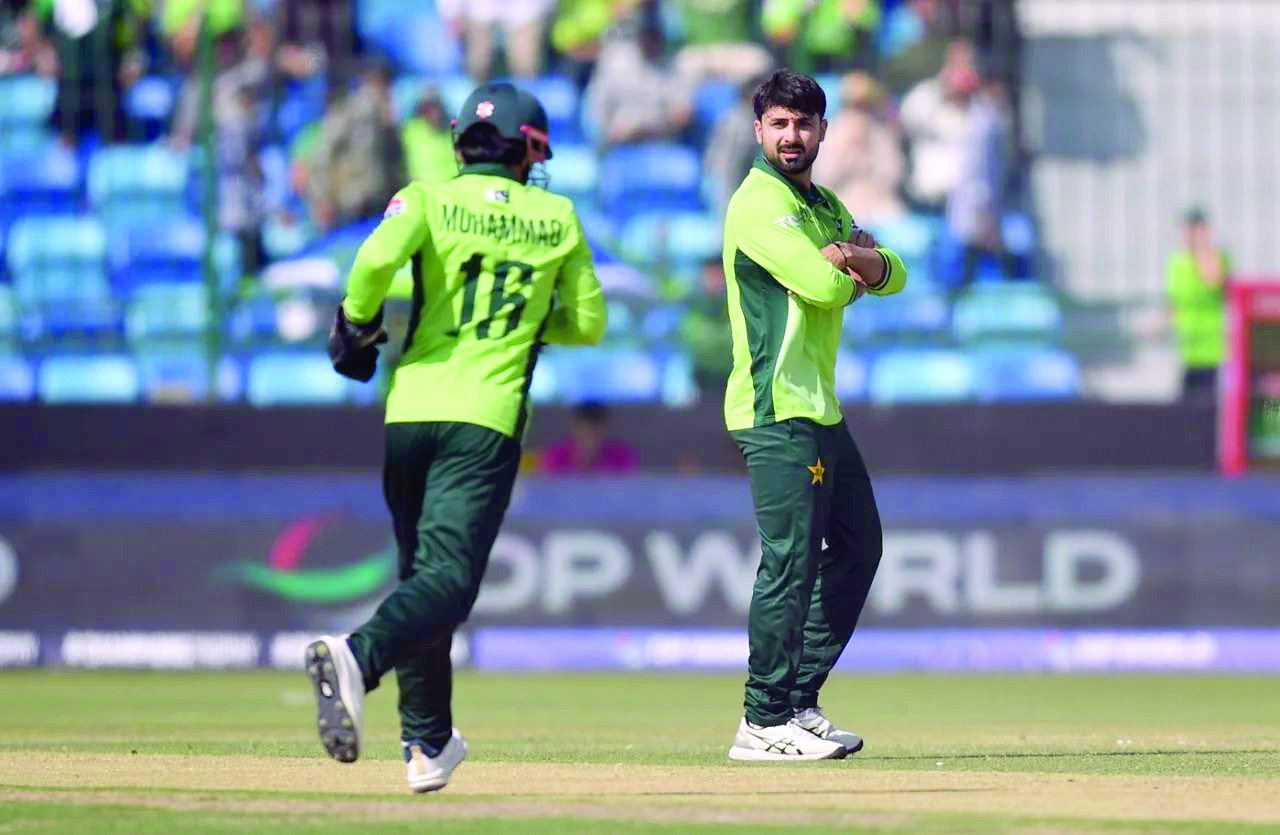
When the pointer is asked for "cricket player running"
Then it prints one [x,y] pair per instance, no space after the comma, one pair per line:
[793,261]
[499,268]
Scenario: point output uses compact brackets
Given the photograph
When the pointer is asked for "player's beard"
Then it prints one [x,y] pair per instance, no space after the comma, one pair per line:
[800,164]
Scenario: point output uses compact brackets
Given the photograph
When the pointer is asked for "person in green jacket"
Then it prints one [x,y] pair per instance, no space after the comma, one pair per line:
[1196,278]
[793,260]
[499,268]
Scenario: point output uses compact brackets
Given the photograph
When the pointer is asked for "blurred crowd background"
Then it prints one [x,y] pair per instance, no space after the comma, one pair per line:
[183,184]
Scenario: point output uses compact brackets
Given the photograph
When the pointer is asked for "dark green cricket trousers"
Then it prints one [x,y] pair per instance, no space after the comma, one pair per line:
[447,486]
[810,486]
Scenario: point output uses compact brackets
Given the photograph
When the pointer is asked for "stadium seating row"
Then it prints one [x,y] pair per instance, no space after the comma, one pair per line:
[179,373]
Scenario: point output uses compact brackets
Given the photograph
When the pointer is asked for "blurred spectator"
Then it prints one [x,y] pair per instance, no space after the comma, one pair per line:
[578,33]
[820,36]
[705,330]
[242,96]
[23,47]
[524,23]
[914,42]
[356,163]
[428,141]
[588,448]
[718,42]
[99,54]
[935,117]
[326,28]
[634,94]
[980,197]
[862,159]
[731,147]
[180,23]
[1196,277]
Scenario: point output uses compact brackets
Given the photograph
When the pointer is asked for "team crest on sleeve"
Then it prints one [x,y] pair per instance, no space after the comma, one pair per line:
[395,207]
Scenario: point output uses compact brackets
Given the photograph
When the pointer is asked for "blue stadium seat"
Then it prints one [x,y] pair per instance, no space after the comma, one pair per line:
[88,378]
[150,101]
[851,376]
[712,100]
[661,323]
[688,238]
[418,41]
[560,97]
[162,252]
[830,84]
[303,103]
[676,388]
[58,267]
[912,237]
[280,378]
[9,323]
[252,321]
[1016,373]
[574,171]
[1004,311]
[163,311]
[17,379]
[133,185]
[648,177]
[44,179]
[178,373]
[611,375]
[920,317]
[921,376]
[25,101]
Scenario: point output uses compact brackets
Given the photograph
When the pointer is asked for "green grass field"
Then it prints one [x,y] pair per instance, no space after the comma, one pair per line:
[236,752]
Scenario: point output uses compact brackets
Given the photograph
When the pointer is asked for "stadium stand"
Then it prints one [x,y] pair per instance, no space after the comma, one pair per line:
[102,245]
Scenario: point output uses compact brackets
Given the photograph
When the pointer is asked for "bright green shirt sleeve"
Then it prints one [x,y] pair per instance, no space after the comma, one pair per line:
[579,316]
[766,231]
[897,273]
[402,232]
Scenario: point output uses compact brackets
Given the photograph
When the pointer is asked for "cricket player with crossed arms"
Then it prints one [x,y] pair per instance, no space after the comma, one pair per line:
[793,261]
[499,268]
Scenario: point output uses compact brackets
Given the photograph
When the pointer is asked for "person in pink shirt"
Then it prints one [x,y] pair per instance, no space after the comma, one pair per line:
[588,447]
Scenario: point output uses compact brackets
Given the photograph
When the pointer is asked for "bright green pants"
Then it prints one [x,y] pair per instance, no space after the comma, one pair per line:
[447,486]
[809,486]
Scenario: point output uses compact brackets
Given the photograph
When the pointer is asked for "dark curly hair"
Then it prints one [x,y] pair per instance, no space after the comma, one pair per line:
[792,90]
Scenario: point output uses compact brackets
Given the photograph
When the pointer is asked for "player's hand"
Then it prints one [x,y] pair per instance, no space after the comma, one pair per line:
[835,253]
[353,348]
[863,238]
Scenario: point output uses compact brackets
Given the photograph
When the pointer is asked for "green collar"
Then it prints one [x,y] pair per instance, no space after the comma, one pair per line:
[491,169]
[812,197]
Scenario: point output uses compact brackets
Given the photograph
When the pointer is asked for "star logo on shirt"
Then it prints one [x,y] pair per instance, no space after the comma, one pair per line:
[818,472]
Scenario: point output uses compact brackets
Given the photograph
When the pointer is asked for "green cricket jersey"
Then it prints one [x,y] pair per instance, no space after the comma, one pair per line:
[786,301]
[498,269]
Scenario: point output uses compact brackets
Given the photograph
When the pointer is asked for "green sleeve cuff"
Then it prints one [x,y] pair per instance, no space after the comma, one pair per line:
[895,274]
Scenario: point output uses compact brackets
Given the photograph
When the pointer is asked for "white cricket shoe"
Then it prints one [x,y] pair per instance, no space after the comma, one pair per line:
[339,695]
[788,742]
[812,719]
[428,773]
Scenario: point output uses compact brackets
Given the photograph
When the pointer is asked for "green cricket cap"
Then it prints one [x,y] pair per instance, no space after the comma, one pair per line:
[516,113]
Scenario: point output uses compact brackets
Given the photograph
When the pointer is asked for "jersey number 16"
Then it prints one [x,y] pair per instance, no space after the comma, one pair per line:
[509,277]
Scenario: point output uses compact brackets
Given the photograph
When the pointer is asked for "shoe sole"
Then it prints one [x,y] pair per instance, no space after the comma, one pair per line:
[333,721]
[755,755]
[855,749]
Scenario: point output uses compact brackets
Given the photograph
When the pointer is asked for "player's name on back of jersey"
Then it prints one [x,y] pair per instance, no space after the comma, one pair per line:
[501,227]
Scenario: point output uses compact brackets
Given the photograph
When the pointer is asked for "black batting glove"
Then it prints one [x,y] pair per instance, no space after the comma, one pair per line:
[353,349]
